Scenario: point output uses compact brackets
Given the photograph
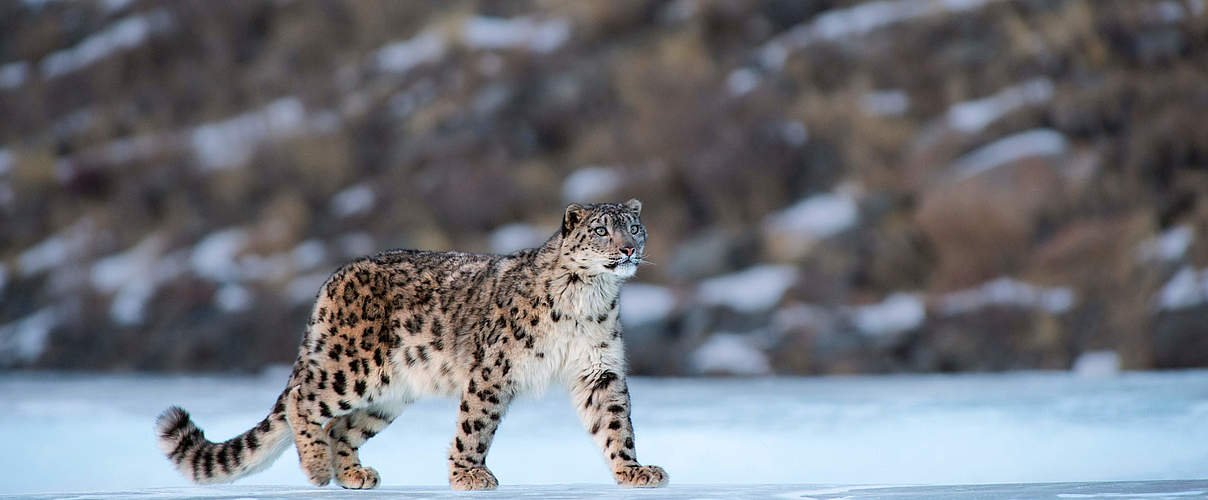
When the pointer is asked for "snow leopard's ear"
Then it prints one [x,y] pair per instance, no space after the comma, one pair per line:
[571,218]
[634,205]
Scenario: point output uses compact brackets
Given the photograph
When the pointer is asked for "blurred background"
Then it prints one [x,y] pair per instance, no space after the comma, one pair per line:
[830,187]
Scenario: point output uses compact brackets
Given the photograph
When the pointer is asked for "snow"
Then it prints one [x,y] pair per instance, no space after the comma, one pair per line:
[124,34]
[858,20]
[1171,245]
[400,57]
[6,161]
[643,303]
[57,249]
[730,354]
[814,218]
[3,278]
[973,116]
[794,133]
[213,257]
[753,289]
[1010,149]
[308,254]
[590,184]
[12,75]
[24,340]
[897,314]
[358,244]
[1006,292]
[1097,364]
[742,81]
[303,289]
[885,103]
[509,238]
[233,298]
[515,33]
[1188,288]
[134,275]
[718,438]
[231,142]
[355,200]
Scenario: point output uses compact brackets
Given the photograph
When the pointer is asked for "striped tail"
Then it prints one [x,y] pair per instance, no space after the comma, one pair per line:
[206,462]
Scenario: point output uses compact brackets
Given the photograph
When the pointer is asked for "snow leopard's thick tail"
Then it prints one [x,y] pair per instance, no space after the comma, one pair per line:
[206,462]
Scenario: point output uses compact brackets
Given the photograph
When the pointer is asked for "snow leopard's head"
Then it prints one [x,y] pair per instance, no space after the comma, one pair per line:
[604,237]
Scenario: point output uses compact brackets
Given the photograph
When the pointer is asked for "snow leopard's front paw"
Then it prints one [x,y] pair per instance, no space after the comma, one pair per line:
[641,476]
[358,478]
[474,478]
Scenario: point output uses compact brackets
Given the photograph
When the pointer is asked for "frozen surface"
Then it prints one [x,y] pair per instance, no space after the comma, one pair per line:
[759,437]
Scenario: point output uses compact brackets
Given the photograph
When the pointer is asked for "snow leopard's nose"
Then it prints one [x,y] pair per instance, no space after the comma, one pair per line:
[627,250]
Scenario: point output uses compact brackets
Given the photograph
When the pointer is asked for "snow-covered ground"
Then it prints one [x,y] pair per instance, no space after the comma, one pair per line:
[763,437]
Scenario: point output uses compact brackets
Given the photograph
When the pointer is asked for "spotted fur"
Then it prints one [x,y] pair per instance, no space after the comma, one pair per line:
[406,324]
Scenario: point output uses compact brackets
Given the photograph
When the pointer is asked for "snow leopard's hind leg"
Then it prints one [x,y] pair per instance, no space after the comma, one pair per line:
[306,415]
[347,434]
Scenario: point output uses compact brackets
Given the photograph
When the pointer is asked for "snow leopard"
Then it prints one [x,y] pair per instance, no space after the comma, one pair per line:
[388,329]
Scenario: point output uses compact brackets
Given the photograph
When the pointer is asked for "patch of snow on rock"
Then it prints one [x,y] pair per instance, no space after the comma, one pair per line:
[214,257]
[794,133]
[1010,149]
[643,304]
[515,33]
[973,116]
[112,272]
[56,250]
[1188,288]
[742,81]
[308,254]
[233,298]
[753,289]
[897,314]
[357,244]
[24,340]
[855,21]
[354,200]
[231,142]
[730,354]
[401,56]
[6,161]
[885,103]
[303,289]
[590,184]
[1010,293]
[1097,364]
[792,231]
[1171,245]
[517,236]
[12,75]
[125,34]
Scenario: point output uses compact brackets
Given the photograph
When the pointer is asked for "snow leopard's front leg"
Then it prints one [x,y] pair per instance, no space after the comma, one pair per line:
[602,399]
[483,403]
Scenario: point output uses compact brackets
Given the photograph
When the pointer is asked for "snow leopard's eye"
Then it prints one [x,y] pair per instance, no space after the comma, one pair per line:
[635,229]
[601,231]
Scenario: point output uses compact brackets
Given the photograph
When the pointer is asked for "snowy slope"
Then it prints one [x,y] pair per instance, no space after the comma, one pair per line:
[66,433]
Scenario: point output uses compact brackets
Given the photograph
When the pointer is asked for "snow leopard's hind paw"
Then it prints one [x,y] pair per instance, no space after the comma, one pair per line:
[641,476]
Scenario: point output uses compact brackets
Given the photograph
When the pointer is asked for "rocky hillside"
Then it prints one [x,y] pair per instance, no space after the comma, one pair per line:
[831,186]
